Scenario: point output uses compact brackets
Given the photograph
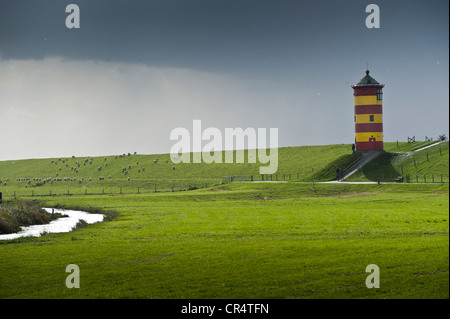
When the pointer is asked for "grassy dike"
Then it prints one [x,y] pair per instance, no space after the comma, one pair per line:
[244,240]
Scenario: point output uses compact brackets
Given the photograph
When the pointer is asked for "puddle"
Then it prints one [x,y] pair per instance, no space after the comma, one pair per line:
[60,225]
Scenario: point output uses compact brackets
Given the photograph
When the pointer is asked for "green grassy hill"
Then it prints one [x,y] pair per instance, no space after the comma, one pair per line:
[428,165]
[150,173]
[236,240]
[299,163]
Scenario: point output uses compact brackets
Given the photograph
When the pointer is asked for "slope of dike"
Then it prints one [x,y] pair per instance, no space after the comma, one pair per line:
[151,173]
[418,163]
[146,171]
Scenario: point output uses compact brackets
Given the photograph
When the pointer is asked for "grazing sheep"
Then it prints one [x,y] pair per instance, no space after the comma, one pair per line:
[173,168]
[155,160]
[139,170]
[129,178]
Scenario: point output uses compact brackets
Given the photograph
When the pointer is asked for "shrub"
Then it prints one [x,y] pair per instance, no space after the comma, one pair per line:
[14,215]
[8,224]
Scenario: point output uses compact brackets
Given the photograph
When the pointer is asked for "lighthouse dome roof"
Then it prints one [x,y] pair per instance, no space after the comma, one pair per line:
[368,80]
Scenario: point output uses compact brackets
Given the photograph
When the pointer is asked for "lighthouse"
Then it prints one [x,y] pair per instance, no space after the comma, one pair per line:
[368,94]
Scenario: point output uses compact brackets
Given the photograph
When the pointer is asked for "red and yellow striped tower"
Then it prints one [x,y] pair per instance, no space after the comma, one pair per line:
[368,114]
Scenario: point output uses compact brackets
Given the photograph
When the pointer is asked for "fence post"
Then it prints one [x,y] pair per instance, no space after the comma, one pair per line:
[251,178]
[432,177]
[155,188]
[424,178]
[85,191]
[121,190]
[441,178]
[417,178]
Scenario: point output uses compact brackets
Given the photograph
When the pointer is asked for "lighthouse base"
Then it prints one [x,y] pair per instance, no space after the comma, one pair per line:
[369,146]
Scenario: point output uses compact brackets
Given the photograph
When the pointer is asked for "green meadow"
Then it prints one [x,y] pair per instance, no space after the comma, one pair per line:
[197,237]
[244,240]
[430,165]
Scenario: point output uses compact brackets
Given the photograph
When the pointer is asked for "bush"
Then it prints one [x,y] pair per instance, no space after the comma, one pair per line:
[8,224]
[30,213]
[80,224]
[14,215]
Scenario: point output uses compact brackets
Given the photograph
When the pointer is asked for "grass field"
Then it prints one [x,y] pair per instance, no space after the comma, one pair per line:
[428,165]
[235,240]
[244,240]
[18,178]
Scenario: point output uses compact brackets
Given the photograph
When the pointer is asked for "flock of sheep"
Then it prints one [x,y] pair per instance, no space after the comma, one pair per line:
[125,171]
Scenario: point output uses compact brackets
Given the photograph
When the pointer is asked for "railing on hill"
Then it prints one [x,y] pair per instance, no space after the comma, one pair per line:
[280,177]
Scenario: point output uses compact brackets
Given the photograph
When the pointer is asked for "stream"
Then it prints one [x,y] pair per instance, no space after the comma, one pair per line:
[60,225]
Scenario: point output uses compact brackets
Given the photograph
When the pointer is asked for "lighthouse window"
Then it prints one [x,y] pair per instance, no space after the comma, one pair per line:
[371,118]
[379,94]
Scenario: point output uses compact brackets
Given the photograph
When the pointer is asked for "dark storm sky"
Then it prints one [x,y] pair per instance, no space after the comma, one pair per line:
[285,64]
